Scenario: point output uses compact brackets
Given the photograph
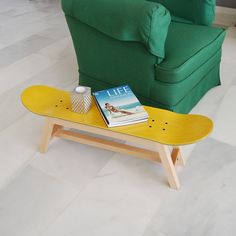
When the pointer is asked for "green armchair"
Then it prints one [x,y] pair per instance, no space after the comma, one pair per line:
[165,50]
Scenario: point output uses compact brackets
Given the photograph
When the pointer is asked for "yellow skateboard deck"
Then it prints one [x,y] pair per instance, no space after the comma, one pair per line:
[163,126]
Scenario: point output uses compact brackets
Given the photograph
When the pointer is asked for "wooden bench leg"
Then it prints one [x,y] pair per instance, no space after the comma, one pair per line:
[169,167]
[49,130]
[177,156]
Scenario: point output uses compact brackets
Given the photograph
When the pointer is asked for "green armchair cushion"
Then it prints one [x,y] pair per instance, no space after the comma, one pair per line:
[187,54]
[196,11]
[126,20]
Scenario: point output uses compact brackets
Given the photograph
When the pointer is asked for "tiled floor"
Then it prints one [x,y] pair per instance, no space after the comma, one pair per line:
[77,190]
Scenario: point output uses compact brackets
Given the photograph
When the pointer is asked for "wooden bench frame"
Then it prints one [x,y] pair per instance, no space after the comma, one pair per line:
[54,127]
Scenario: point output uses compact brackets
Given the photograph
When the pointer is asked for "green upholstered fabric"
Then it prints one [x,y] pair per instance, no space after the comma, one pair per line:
[126,20]
[196,11]
[163,85]
[187,48]
[171,93]
[100,59]
[180,19]
[210,80]
[189,70]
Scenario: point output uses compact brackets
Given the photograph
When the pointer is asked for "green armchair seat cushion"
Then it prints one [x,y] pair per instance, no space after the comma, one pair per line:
[186,66]
[183,60]
[126,20]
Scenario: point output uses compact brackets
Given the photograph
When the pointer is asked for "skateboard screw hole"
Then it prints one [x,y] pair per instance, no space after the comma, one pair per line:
[60,100]
[56,106]
[153,120]
[67,108]
[166,123]
[164,129]
[150,126]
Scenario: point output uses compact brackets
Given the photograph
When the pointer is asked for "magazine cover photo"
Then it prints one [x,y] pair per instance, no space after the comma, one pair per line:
[120,104]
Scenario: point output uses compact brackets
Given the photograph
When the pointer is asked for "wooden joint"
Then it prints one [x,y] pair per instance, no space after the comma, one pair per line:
[177,157]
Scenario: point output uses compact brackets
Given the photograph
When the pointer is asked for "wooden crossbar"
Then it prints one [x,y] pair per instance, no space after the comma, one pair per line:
[108,145]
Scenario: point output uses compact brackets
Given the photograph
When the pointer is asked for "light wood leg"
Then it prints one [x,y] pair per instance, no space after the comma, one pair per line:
[169,167]
[56,128]
[47,135]
[181,160]
[177,156]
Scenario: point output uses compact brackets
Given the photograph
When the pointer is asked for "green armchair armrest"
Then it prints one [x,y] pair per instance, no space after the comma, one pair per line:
[195,11]
[126,20]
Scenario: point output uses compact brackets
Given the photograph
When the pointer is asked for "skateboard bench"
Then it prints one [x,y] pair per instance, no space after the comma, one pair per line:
[165,131]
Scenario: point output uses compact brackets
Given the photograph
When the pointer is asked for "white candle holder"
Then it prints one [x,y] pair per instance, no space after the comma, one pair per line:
[81,99]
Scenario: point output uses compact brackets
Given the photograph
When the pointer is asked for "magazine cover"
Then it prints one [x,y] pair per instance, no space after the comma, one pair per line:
[119,106]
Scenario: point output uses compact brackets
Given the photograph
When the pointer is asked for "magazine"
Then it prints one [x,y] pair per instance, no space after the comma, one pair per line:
[119,106]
